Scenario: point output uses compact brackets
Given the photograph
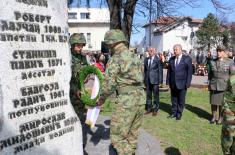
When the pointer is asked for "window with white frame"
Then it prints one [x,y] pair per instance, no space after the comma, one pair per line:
[72,15]
[85,15]
[88,36]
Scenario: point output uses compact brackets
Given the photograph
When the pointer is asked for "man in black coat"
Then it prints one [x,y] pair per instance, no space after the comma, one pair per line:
[152,78]
[200,58]
[179,78]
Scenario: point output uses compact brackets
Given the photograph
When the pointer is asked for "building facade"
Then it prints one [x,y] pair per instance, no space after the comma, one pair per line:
[92,22]
[167,31]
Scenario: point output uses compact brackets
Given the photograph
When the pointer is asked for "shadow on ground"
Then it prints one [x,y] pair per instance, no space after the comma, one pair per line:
[172,151]
[165,107]
[198,111]
[100,133]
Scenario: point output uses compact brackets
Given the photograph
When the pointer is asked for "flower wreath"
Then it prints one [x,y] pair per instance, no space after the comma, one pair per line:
[84,72]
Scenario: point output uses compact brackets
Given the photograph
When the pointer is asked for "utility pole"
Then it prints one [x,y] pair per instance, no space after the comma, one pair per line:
[150,22]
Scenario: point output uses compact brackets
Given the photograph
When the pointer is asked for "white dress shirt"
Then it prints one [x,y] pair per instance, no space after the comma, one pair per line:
[178,59]
[150,61]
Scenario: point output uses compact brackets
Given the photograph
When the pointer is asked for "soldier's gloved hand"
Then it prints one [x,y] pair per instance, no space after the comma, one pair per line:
[100,102]
[89,77]
[78,94]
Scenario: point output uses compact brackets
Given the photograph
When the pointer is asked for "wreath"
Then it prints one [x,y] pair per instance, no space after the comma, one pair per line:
[85,95]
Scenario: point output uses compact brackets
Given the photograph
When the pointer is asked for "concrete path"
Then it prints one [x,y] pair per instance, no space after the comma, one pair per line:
[97,140]
[197,81]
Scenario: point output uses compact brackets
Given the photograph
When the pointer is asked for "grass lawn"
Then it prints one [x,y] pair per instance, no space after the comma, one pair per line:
[192,135]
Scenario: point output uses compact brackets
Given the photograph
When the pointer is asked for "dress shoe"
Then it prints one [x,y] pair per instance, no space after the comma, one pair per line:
[178,118]
[147,112]
[172,117]
[219,122]
[212,121]
[154,113]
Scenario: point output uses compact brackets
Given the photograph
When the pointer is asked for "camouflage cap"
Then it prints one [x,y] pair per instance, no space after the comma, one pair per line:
[77,38]
[114,36]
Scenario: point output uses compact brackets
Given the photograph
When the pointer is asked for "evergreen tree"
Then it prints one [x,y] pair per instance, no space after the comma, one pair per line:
[209,33]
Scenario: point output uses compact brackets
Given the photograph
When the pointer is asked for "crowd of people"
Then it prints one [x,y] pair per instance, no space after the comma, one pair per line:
[137,84]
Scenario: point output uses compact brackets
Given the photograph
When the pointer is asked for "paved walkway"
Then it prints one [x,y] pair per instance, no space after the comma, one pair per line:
[197,81]
[97,141]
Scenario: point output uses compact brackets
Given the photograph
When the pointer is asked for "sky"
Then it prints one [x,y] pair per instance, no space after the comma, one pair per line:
[200,12]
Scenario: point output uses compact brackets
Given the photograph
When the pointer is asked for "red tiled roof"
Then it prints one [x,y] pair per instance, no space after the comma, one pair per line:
[197,20]
[165,20]
[171,19]
[175,22]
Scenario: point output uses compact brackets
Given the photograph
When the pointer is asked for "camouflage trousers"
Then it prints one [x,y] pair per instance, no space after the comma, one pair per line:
[228,133]
[78,106]
[126,120]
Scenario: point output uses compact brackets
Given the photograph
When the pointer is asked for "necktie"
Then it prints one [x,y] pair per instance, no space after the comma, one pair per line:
[177,62]
[150,61]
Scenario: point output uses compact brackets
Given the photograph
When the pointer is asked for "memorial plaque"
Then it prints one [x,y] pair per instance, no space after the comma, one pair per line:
[36,116]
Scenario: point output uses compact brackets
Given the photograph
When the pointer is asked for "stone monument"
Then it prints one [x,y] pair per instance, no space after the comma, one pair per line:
[36,116]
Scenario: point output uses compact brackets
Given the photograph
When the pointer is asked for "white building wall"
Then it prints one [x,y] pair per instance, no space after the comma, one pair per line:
[178,35]
[97,25]
[96,31]
[166,40]
[158,43]
[147,32]
[97,15]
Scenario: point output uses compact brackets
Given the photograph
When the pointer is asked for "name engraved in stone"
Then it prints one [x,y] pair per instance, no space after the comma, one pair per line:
[17,37]
[33,54]
[35,110]
[37,74]
[19,26]
[29,135]
[28,101]
[14,140]
[29,17]
[61,132]
[44,121]
[39,89]
[45,129]
[26,64]
[41,3]
[28,145]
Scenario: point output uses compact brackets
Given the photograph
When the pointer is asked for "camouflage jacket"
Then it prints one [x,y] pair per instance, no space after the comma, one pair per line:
[78,61]
[229,96]
[123,69]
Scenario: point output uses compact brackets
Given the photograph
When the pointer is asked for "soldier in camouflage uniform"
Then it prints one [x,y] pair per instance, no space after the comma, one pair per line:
[123,75]
[228,113]
[77,42]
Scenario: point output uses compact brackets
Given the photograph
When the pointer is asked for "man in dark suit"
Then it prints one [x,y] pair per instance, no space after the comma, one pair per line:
[200,58]
[152,78]
[179,78]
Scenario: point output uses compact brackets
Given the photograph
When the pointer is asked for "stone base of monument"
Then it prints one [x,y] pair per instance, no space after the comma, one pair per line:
[97,140]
